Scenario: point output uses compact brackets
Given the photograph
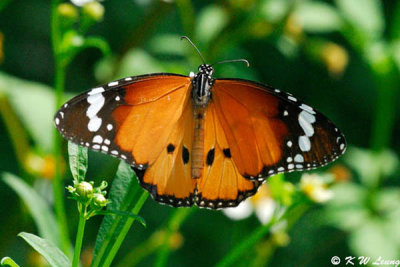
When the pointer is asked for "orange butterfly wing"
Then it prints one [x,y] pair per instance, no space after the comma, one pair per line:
[168,179]
[221,184]
[269,131]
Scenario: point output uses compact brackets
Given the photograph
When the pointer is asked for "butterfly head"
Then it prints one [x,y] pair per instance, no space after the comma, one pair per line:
[206,69]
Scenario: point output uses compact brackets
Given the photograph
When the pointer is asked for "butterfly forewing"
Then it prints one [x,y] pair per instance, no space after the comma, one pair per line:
[271,132]
[130,118]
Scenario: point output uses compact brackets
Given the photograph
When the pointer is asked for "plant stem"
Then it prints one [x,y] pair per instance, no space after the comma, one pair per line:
[79,237]
[18,135]
[175,221]
[109,257]
[235,253]
[387,83]
[58,190]
[291,214]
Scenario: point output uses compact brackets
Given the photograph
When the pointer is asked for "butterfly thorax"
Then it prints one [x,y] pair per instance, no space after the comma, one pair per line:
[202,83]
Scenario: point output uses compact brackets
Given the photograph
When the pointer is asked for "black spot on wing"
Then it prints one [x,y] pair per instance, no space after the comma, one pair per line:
[185,155]
[227,153]
[210,157]
[170,148]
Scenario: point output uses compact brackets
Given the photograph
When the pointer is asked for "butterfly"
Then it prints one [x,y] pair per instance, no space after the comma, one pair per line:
[197,140]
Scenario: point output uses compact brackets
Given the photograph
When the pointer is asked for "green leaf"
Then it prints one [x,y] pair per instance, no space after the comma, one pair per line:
[366,16]
[372,238]
[137,62]
[318,17]
[47,249]
[395,50]
[78,161]
[169,44]
[123,213]
[372,165]
[275,10]
[23,95]
[211,21]
[126,195]
[346,210]
[73,43]
[8,261]
[38,207]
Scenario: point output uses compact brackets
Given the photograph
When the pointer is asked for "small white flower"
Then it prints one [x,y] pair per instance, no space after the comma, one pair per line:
[240,212]
[81,2]
[262,204]
[265,209]
[315,188]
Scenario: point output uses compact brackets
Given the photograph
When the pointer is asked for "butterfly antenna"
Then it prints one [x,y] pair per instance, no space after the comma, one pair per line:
[232,60]
[198,51]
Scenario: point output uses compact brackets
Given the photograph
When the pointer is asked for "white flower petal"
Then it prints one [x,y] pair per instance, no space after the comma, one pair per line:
[265,209]
[81,2]
[240,212]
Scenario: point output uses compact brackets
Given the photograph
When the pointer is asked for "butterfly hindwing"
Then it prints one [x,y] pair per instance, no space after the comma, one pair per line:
[221,185]
[169,179]
[131,118]
[271,132]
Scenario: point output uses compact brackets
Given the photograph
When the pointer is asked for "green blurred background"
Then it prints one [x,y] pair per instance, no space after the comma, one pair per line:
[341,57]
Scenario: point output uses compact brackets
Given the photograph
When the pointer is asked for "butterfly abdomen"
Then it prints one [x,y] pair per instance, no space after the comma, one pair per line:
[198,142]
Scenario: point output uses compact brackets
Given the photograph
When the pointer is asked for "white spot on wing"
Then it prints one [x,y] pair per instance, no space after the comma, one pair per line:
[107,141]
[292,98]
[307,108]
[299,158]
[97,139]
[109,127]
[113,83]
[117,98]
[57,121]
[94,124]
[96,103]
[96,90]
[289,143]
[128,79]
[304,143]
[305,121]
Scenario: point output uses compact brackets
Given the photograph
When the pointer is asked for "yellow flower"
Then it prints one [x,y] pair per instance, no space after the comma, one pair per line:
[67,10]
[293,28]
[94,10]
[335,58]
[42,166]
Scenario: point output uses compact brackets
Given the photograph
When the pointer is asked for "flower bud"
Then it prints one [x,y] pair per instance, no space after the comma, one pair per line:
[93,10]
[335,58]
[99,200]
[67,10]
[84,189]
